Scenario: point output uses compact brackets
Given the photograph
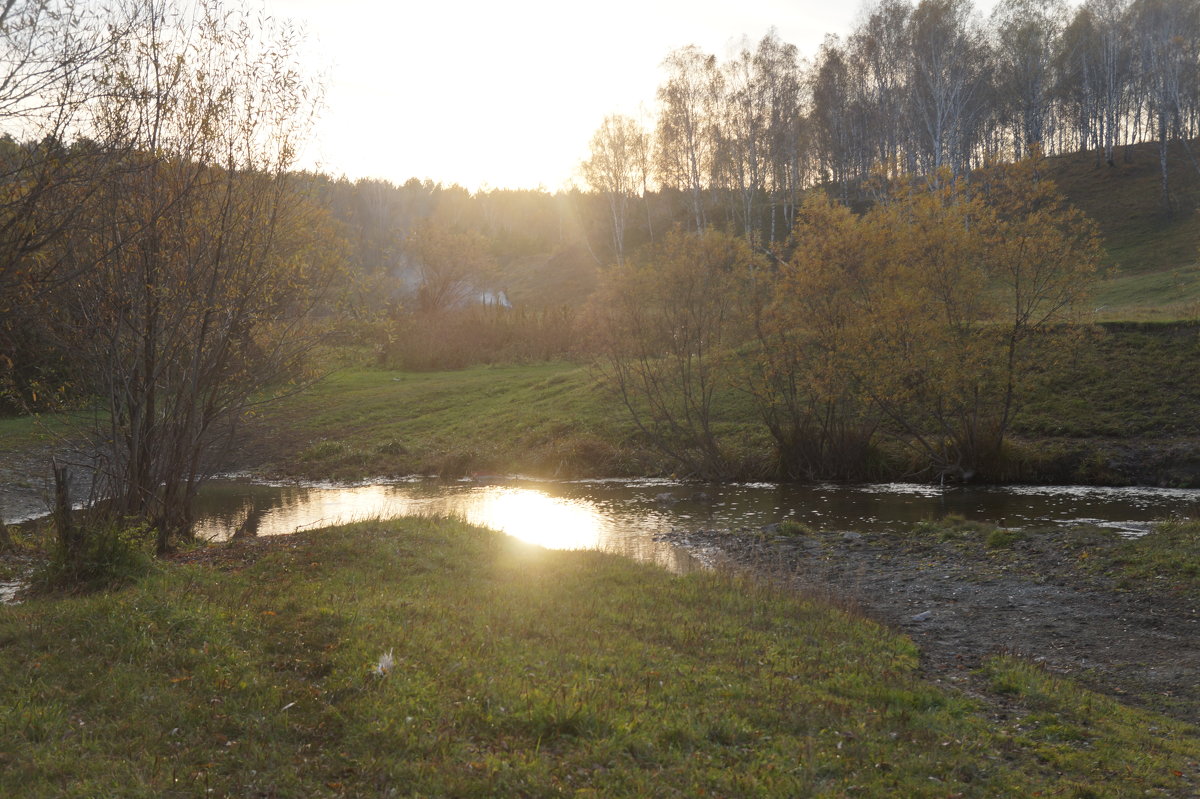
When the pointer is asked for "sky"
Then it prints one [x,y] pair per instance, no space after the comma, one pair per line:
[508,94]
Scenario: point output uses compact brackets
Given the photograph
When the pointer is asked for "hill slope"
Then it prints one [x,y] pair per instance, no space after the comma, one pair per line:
[1153,271]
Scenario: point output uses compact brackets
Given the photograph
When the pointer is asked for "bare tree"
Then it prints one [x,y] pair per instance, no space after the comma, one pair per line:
[617,169]
[1027,33]
[686,126]
[665,327]
[202,264]
[831,121]
[883,54]
[1167,32]
[780,95]
[948,86]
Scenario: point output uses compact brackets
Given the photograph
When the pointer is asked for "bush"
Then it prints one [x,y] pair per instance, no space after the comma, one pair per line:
[106,555]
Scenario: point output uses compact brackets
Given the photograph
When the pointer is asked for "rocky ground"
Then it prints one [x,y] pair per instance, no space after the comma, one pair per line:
[961,600]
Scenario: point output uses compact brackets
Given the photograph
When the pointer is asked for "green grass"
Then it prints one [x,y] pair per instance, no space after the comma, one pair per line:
[1124,200]
[543,418]
[1128,381]
[1171,294]
[1167,558]
[519,672]
[19,434]
[550,419]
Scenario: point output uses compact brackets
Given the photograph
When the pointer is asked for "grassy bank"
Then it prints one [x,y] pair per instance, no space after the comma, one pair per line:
[1122,409]
[520,672]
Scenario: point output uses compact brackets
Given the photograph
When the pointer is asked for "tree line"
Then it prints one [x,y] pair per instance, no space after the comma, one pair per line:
[912,89]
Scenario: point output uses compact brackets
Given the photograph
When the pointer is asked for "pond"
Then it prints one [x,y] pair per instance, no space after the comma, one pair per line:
[627,516]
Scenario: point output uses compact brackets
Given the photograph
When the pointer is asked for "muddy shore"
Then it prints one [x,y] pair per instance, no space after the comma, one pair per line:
[961,602]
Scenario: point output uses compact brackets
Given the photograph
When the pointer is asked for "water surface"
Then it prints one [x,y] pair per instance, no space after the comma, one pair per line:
[625,516]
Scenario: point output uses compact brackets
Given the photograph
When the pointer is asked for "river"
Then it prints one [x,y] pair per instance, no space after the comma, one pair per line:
[628,516]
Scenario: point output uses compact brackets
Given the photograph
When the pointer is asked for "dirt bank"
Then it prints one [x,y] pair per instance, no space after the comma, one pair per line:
[961,601]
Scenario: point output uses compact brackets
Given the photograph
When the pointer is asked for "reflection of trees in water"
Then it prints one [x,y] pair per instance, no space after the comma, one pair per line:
[255,509]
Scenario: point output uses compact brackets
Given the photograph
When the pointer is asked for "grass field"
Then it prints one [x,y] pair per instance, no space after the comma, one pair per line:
[515,671]
[547,419]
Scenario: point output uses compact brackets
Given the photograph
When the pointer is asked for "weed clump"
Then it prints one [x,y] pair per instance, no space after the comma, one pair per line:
[103,555]
[793,527]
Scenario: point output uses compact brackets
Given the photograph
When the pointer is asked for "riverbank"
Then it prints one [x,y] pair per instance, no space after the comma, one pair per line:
[259,668]
[1120,410]
[1120,615]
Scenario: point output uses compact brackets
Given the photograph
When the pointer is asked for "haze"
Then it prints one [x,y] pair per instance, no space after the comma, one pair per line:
[507,95]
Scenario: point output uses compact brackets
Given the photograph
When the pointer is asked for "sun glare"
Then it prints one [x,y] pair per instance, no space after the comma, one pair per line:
[536,518]
[506,95]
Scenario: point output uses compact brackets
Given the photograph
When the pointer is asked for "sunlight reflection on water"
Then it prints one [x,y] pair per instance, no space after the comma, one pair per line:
[626,516]
[532,514]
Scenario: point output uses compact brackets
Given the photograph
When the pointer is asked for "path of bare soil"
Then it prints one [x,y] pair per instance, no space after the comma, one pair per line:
[960,606]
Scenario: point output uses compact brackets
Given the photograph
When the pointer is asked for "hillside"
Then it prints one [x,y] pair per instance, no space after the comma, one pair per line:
[1153,267]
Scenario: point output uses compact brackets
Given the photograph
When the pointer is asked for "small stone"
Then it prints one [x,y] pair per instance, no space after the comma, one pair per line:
[851,536]
[924,615]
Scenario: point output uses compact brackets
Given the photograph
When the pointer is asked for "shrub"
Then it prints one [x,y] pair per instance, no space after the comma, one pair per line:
[107,554]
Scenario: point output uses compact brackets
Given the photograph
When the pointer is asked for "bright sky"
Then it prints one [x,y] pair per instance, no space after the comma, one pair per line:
[496,94]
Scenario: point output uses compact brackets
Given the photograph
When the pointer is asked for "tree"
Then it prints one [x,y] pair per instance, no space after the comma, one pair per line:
[882,51]
[1168,47]
[779,93]
[830,114]
[687,126]
[804,319]
[948,91]
[618,169]
[202,261]
[48,53]
[975,277]
[927,319]
[1027,33]
[665,325]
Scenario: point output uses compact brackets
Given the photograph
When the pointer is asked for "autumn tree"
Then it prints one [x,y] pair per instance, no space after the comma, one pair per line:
[450,265]
[202,262]
[974,279]
[666,323]
[924,321]
[805,318]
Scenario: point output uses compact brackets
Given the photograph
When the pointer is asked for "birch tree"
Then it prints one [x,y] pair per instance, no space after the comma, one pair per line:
[948,85]
[617,169]
[686,126]
[1027,34]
